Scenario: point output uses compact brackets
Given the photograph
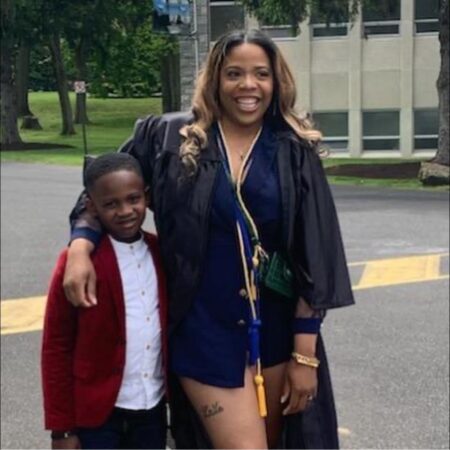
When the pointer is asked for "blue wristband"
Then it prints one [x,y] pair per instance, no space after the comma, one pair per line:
[86,233]
[309,325]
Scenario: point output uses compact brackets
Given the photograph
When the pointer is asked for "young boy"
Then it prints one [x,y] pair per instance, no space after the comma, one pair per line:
[102,367]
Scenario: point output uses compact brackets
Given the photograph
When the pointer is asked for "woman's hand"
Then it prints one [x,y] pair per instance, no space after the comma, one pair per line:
[300,387]
[79,276]
[71,442]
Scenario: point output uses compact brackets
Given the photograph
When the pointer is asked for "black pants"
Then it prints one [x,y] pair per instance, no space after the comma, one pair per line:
[128,429]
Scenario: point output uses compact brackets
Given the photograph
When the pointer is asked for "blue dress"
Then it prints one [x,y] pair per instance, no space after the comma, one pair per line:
[211,343]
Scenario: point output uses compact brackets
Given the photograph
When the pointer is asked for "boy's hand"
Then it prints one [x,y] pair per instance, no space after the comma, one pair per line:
[79,276]
[66,443]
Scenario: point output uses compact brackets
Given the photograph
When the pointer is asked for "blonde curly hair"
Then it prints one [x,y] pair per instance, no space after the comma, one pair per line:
[206,106]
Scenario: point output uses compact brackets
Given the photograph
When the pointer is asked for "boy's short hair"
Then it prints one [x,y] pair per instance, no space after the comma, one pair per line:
[108,163]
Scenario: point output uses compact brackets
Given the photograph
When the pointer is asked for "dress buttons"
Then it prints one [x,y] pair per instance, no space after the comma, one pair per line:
[243,292]
[142,292]
[148,347]
[148,319]
[145,375]
[139,266]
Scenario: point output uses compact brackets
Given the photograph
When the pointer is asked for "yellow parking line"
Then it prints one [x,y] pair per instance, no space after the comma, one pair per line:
[363,263]
[358,287]
[22,315]
[26,314]
[411,269]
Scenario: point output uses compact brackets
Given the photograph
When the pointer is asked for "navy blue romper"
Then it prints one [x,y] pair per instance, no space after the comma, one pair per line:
[210,345]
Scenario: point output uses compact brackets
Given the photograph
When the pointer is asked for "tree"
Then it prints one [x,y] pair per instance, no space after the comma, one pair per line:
[28,34]
[61,81]
[442,155]
[54,18]
[133,63]
[22,79]
[273,12]
[9,130]
[91,29]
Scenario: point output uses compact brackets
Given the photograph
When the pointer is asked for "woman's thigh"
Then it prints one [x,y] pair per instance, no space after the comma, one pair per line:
[274,378]
[229,415]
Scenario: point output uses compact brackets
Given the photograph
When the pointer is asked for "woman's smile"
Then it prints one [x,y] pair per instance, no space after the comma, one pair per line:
[246,85]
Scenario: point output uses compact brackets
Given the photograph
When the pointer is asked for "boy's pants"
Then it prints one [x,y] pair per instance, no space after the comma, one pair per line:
[128,429]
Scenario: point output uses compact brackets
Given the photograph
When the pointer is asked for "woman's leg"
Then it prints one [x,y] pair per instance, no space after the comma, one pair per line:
[274,381]
[229,415]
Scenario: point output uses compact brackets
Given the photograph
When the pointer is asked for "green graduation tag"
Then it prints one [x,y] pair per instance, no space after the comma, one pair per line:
[279,277]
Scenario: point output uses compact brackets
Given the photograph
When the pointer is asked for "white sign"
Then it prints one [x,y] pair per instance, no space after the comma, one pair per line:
[80,87]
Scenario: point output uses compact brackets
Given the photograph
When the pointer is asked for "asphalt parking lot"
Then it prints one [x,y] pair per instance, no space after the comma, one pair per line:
[389,354]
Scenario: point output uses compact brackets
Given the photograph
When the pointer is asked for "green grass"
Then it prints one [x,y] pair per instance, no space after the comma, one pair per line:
[331,161]
[412,183]
[112,122]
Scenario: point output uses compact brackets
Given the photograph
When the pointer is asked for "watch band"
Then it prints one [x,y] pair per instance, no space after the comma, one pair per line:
[61,434]
[309,361]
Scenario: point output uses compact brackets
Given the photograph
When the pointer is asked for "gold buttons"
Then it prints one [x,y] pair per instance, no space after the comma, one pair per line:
[243,293]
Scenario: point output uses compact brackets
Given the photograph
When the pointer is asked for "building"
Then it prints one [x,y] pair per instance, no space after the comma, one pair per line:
[370,85]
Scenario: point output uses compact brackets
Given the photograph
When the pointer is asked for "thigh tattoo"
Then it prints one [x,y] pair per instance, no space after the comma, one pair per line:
[211,410]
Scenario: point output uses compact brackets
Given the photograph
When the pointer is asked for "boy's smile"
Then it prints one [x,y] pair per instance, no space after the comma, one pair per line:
[119,201]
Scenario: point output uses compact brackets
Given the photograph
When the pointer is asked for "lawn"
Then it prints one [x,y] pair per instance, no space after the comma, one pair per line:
[112,122]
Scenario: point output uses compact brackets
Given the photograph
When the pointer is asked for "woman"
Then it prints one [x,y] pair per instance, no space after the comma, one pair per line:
[235,186]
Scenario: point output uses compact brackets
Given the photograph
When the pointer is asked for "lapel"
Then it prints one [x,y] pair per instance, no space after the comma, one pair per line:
[287,188]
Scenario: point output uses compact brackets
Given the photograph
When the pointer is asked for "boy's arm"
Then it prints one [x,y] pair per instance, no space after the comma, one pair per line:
[58,343]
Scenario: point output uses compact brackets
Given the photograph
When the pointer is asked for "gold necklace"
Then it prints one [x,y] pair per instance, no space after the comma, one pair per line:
[242,154]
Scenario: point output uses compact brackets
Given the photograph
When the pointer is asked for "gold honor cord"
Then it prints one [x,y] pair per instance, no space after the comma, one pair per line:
[249,275]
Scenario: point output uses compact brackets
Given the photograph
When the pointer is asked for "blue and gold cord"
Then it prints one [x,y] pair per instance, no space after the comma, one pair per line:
[252,254]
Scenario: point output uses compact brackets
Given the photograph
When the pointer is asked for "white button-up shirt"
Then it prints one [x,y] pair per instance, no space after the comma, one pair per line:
[143,380]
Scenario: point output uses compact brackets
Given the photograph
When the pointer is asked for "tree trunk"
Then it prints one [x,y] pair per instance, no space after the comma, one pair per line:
[442,155]
[9,135]
[81,67]
[30,123]
[61,81]
[170,82]
[22,77]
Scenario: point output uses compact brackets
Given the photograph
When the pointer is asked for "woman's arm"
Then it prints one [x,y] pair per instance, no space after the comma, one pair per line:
[79,277]
[301,378]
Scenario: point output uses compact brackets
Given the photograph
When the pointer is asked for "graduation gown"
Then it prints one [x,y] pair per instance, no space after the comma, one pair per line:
[311,237]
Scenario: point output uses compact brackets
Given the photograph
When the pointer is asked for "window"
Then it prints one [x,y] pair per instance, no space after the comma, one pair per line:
[381,130]
[278,31]
[427,16]
[225,16]
[329,21]
[381,19]
[334,127]
[322,30]
[426,129]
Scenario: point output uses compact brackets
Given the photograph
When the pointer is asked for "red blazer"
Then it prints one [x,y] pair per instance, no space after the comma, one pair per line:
[83,350]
